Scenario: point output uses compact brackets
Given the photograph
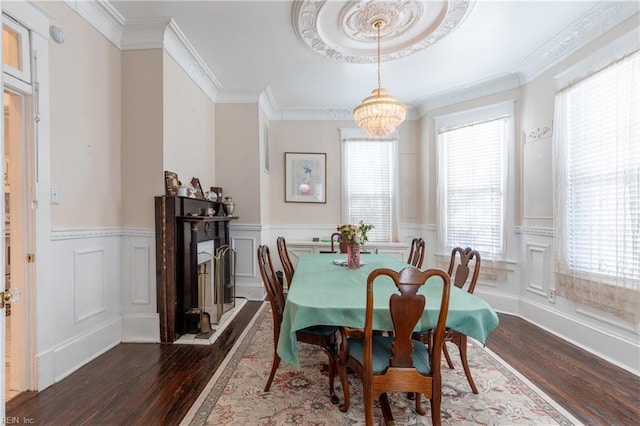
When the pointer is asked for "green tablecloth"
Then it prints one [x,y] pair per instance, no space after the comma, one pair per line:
[323,293]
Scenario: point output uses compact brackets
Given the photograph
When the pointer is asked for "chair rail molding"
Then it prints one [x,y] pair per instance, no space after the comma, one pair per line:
[524,230]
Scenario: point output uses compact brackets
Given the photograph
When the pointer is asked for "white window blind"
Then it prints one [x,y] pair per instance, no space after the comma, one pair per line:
[368,185]
[602,206]
[472,186]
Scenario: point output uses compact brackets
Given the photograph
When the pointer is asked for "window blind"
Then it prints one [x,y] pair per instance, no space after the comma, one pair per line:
[474,186]
[368,178]
[603,174]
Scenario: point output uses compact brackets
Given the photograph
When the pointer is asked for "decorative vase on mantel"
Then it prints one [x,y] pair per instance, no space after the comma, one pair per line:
[353,256]
[228,205]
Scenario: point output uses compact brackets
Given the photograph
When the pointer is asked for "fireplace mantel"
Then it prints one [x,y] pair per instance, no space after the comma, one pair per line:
[182,223]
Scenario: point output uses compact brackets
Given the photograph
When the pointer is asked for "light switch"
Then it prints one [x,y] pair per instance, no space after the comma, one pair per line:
[55,195]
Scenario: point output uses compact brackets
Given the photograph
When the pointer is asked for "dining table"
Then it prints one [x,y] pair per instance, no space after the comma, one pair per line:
[324,291]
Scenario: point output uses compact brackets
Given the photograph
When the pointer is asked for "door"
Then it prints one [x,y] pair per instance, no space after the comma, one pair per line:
[17,243]
[17,167]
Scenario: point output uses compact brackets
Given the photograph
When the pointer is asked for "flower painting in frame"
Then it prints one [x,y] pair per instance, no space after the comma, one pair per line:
[305,177]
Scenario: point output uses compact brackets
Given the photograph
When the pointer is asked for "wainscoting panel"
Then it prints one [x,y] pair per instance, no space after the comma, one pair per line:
[141,275]
[538,257]
[245,239]
[140,320]
[247,263]
[88,284]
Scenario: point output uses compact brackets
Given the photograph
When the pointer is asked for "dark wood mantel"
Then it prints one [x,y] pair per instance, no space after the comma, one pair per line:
[181,223]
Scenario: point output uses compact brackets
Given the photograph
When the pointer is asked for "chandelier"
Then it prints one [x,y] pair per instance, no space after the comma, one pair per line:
[380,113]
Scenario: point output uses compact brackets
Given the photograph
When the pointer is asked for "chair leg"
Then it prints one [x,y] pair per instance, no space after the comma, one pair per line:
[385,407]
[274,367]
[331,371]
[435,401]
[368,404]
[342,372]
[463,357]
[419,408]
[446,355]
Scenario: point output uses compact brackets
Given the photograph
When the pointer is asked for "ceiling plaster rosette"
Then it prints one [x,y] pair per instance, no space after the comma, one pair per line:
[411,26]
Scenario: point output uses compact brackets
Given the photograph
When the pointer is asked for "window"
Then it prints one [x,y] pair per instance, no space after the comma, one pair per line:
[597,179]
[15,50]
[368,180]
[472,185]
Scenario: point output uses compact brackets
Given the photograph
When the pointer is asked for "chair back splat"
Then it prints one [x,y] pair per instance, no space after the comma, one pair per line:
[275,293]
[285,260]
[397,363]
[416,254]
[462,257]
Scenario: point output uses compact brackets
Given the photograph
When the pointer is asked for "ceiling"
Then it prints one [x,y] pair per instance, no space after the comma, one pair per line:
[315,56]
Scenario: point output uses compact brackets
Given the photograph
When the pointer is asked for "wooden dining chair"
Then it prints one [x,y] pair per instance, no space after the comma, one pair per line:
[416,254]
[396,363]
[336,240]
[285,260]
[323,336]
[460,259]
[336,244]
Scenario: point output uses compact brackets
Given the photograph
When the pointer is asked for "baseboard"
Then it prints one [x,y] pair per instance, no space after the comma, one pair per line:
[140,328]
[602,343]
[59,362]
[250,291]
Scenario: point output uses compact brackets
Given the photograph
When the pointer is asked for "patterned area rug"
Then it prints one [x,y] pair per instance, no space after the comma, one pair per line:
[235,396]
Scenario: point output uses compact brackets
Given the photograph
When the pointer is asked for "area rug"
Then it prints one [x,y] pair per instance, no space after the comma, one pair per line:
[235,395]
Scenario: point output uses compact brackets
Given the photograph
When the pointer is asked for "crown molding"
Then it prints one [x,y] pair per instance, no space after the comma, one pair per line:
[138,34]
[102,16]
[320,114]
[597,21]
[482,88]
[177,45]
[266,104]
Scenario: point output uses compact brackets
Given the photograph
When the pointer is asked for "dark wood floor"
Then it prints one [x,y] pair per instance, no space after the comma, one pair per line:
[152,384]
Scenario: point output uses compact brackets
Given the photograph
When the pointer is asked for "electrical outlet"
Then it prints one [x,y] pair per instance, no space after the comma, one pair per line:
[551,295]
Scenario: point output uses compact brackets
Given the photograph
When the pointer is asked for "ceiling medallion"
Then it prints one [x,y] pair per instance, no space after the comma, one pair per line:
[411,26]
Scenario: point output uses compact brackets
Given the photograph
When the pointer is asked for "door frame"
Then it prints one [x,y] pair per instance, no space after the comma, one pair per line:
[36,20]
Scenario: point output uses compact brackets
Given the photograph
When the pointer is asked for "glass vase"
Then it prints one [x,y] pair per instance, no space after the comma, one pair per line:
[353,256]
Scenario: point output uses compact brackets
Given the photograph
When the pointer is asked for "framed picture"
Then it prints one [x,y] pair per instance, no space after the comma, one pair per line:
[198,192]
[171,183]
[305,177]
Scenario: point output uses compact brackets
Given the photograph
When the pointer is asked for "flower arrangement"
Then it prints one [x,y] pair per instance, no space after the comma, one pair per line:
[355,234]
